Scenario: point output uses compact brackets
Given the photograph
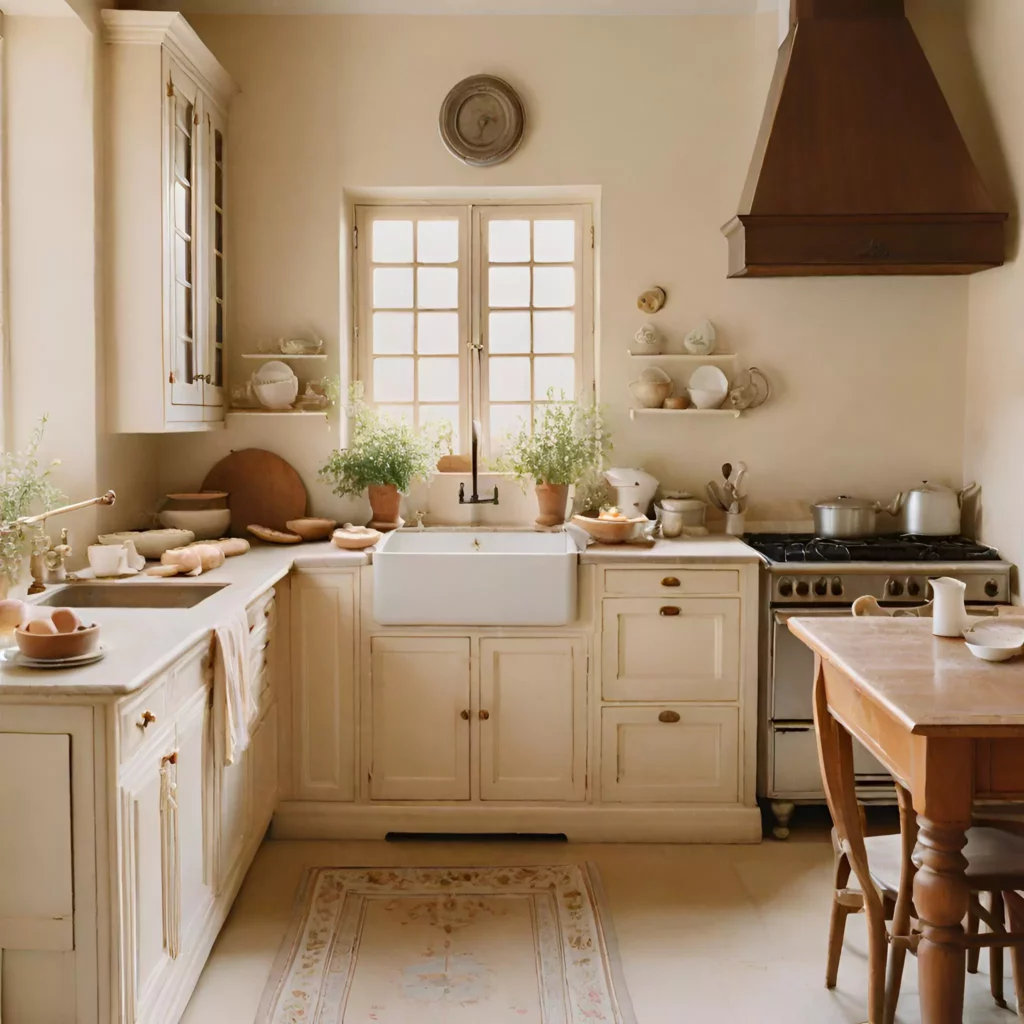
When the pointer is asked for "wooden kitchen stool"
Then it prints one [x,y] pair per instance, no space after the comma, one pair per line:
[884,870]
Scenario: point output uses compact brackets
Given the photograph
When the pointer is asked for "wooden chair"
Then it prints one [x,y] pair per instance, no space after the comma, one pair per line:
[884,872]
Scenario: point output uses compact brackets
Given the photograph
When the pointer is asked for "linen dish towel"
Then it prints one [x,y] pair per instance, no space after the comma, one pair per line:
[231,682]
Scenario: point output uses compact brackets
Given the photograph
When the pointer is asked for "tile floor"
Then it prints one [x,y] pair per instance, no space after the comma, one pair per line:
[707,934]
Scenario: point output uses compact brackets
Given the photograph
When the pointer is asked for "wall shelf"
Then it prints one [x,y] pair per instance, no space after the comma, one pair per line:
[732,413]
[685,357]
[293,413]
[282,355]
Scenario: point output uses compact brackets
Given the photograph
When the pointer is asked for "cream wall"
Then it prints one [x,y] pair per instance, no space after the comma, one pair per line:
[660,114]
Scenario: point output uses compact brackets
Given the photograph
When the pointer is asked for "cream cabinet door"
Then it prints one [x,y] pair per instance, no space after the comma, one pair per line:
[234,815]
[678,754]
[666,650]
[194,797]
[420,696]
[323,684]
[533,719]
[264,769]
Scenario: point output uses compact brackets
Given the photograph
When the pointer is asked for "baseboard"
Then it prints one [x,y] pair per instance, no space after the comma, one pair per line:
[713,823]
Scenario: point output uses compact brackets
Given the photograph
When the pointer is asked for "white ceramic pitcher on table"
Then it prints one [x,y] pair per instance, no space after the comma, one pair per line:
[949,614]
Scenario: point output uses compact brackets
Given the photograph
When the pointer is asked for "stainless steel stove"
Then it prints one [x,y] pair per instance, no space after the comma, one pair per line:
[805,575]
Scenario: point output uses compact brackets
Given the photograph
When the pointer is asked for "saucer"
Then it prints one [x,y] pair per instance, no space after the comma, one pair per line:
[12,656]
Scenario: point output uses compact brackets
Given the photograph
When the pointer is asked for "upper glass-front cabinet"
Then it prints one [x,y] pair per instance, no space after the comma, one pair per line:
[168,99]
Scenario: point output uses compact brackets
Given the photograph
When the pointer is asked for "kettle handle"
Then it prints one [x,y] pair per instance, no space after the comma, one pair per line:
[969,491]
[896,505]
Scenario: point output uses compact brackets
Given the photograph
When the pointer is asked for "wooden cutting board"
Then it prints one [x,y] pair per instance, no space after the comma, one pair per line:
[263,489]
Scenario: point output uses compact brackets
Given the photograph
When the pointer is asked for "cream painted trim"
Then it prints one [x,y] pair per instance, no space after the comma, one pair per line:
[6,425]
[176,35]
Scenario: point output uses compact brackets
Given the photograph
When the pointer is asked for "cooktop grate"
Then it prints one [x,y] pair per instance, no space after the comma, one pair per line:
[805,547]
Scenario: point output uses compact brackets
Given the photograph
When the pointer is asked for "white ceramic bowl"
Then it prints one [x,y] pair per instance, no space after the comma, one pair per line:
[994,641]
[206,524]
[151,544]
[651,394]
[702,399]
[279,394]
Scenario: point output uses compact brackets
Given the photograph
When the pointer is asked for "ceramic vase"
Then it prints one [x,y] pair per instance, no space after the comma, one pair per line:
[949,615]
[385,501]
[552,499]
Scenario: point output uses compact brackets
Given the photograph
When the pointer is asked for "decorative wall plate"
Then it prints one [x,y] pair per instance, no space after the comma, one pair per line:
[482,120]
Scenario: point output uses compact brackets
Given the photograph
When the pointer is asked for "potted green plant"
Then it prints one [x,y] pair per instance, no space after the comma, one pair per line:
[383,458]
[568,445]
[25,489]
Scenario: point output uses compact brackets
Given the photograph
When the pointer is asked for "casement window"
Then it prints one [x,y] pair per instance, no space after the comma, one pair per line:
[470,312]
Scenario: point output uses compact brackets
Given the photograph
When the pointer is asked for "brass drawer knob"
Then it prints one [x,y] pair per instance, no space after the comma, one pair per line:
[464,715]
[670,581]
[668,716]
[147,719]
[484,715]
[668,610]
[171,758]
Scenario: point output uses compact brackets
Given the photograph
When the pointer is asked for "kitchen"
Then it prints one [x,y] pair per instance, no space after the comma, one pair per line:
[877,383]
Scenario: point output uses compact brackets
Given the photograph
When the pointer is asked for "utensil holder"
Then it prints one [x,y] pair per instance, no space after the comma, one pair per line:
[735,523]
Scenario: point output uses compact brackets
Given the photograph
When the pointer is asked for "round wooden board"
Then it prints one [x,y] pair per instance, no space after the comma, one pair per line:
[262,489]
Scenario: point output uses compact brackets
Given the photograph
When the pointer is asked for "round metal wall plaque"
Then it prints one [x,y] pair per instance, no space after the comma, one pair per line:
[482,121]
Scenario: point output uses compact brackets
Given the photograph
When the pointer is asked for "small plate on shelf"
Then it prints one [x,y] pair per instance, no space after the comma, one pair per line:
[12,656]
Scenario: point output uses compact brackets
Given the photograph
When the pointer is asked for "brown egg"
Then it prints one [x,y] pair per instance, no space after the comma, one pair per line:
[43,627]
[66,620]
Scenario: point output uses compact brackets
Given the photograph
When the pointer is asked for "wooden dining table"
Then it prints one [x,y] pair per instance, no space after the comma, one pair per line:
[950,729]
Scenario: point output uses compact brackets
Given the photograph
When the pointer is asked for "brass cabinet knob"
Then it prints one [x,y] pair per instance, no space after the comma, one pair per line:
[484,715]
[668,716]
[668,610]
[464,715]
[147,719]
[670,581]
[171,758]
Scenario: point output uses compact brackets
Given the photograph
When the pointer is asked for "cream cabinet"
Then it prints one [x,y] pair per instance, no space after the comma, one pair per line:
[533,718]
[420,699]
[167,152]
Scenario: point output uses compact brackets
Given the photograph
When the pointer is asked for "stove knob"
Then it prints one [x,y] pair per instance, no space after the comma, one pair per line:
[992,588]
[837,587]
[893,588]
[785,588]
[803,588]
[913,588]
[821,587]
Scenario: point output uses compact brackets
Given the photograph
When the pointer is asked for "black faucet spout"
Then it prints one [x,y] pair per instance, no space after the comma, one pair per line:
[474,498]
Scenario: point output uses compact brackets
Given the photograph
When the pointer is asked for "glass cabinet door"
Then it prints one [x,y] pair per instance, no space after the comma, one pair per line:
[215,185]
[183,104]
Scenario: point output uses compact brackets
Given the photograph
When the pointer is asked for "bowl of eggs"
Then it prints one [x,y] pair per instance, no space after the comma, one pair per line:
[610,526]
[56,637]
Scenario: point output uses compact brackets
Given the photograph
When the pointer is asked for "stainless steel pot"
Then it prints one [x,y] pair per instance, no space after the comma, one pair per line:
[932,510]
[845,518]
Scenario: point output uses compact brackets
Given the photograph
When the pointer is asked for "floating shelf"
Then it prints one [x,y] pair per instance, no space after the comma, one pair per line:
[733,413]
[278,412]
[685,357]
[282,355]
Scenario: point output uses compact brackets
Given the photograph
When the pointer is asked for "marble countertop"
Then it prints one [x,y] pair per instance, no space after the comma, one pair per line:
[710,549]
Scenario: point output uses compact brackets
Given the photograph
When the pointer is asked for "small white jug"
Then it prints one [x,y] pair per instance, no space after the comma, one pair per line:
[949,615]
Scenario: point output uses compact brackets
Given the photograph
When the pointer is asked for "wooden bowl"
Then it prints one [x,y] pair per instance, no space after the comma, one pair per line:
[609,531]
[54,646]
[311,528]
[274,536]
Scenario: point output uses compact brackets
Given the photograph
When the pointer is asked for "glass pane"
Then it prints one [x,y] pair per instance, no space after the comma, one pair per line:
[219,336]
[437,241]
[554,241]
[509,286]
[442,414]
[508,241]
[181,157]
[554,286]
[439,380]
[558,372]
[508,332]
[554,332]
[182,259]
[506,420]
[392,380]
[182,301]
[397,412]
[183,208]
[188,360]
[218,220]
[392,333]
[219,264]
[183,110]
[437,288]
[392,288]
[509,379]
[438,333]
[392,241]
[218,367]
[218,187]
[218,147]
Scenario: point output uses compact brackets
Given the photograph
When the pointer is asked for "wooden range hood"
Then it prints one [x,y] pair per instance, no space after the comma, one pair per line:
[859,167]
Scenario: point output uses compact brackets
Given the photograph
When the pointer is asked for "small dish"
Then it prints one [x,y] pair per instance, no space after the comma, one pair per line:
[57,646]
[299,347]
[650,394]
[205,524]
[709,378]
[14,657]
[274,536]
[994,641]
[151,544]
[355,538]
[312,528]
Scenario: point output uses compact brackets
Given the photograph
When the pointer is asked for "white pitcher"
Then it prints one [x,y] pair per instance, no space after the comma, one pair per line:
[949,615]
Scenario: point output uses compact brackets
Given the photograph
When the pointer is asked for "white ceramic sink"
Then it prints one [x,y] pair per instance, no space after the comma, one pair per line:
[474,578]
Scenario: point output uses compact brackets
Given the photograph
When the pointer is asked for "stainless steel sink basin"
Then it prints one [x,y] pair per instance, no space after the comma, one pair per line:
[131,595]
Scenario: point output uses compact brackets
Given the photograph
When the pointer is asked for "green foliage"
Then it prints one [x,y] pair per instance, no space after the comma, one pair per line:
[25,489]
[383,450]
[568,445]
[331,387]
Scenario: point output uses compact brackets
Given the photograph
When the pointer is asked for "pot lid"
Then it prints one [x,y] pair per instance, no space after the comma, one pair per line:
[844,501]
[931,488]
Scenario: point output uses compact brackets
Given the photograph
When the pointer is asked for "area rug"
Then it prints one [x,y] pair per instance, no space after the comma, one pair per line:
[485,945]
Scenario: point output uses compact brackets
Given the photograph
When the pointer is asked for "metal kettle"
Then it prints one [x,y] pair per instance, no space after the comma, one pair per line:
[932,510]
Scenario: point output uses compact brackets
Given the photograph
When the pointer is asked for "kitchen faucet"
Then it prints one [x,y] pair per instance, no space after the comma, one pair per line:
[474,498]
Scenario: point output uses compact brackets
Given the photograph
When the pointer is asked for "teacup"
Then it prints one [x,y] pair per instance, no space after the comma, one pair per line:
[108,559]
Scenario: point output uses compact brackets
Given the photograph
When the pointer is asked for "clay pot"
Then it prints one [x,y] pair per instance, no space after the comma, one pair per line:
[552,499]
[385,501]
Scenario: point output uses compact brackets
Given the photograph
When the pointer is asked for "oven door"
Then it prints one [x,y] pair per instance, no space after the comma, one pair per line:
[792,666]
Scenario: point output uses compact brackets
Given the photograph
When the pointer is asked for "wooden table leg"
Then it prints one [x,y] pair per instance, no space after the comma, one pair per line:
[941,898]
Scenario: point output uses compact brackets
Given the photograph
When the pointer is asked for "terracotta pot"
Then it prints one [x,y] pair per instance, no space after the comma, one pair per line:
[385,501]
[552,499]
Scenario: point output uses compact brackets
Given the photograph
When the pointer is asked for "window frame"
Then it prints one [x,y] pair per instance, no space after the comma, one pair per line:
[473,309]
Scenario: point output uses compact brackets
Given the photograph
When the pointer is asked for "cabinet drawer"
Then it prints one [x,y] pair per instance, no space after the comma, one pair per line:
[678,649]
[671,581]
[142,717]
[669,754]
